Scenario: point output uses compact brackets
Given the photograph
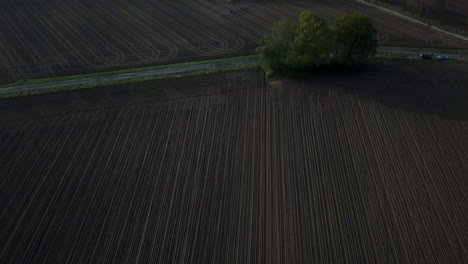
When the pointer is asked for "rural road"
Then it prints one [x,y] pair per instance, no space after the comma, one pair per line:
[175,70]
[414,54]
[125,76]
[395,13]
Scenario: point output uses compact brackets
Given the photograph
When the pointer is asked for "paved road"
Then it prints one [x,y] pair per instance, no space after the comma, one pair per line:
[390,11]
[175,70]
[414,54]
[124,76]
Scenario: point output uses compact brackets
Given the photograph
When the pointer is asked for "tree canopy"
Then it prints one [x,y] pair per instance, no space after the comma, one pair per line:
[313,44]
[274,47]
[355,39]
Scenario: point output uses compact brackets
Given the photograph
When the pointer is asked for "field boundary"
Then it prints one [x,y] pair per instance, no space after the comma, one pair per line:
[93,82]
[129,70]
[74,82]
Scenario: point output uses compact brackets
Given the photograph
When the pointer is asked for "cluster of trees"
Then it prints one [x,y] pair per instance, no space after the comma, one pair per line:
[314,44]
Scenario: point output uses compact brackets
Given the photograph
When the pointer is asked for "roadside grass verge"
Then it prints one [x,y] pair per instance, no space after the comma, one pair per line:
[395,57]
[229,59]
[242,67]
[246,66]
[141,69]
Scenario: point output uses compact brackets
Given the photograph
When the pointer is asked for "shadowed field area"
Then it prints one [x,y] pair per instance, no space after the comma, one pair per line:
[227,168]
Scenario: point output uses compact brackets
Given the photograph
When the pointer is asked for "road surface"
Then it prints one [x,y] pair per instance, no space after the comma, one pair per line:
[177,70]
[125,76]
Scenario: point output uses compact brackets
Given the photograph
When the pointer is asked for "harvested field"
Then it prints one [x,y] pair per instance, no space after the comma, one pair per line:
[223,169]
[64,37]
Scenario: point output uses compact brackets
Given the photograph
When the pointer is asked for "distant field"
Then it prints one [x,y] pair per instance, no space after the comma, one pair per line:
[64,37]
[455,13]
[365,167]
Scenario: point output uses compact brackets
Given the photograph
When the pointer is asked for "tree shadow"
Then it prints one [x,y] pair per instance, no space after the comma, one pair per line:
[439,88]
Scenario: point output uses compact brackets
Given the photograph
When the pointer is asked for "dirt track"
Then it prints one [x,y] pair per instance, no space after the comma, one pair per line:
[224,169]
[66,37]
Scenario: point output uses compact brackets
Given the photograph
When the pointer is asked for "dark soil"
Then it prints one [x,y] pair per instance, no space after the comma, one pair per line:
[343,167]
[67,37]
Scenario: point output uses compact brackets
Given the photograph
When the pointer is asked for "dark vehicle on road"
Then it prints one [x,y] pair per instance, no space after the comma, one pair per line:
[427,56]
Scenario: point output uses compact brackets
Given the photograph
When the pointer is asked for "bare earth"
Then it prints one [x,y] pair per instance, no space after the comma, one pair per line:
[455,13]
[65,37]
[362,167]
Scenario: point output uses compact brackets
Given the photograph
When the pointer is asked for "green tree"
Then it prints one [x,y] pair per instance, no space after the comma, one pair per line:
[355,39]
[311,47]
[313,44]
[274,47]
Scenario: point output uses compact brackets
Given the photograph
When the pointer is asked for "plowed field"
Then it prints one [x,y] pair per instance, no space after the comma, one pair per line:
[65,37]
[342,168]
[455,13]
